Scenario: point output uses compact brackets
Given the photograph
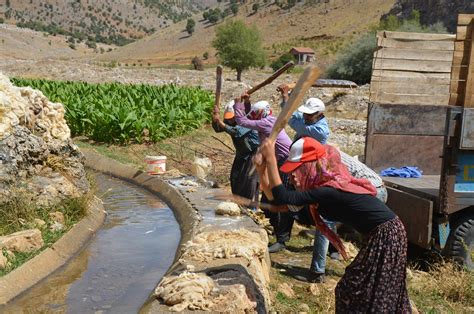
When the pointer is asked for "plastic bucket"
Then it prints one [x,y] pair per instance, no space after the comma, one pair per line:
[155,164]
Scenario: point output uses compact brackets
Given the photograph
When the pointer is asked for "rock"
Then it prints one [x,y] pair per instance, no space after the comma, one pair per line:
[351,249]
[228,209]
[37,154]
[307,233]
[56,227]
[39,223]
[314,289]
[57,217]
[3,262]
[22,241]
[303,307]
[286,290]
[330,284]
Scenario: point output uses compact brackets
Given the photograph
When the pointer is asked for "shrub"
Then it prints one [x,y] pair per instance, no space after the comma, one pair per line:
[190,26]
[281,61]
[355,63]
[197,64]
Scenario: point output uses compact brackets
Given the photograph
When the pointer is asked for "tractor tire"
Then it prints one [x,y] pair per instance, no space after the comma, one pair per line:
[460,244]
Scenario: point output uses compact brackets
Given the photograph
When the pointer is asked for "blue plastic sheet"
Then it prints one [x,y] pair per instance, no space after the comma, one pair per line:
[403,172]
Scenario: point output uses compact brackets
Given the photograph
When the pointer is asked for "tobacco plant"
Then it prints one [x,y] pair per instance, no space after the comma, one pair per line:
[119,113]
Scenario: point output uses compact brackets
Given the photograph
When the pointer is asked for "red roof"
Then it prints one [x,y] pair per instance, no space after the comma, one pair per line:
[302,50]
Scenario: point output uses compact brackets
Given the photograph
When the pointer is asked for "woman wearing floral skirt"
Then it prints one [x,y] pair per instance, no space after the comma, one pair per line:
[375,281]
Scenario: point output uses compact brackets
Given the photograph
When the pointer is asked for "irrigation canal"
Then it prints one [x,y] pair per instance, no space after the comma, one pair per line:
[119,269]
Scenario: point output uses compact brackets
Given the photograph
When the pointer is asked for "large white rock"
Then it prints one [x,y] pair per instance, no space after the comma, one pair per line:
[22,241]
[228,209]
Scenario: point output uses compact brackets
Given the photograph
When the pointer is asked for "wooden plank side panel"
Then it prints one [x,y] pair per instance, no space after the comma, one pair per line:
[407,74]
[469,89]
[462,32]
[409,87]
[421,45]
[414,54]
[408,120]
[383,151]
[410,99]
[413,65]
[415,212]
[406,36]
[465,19]
[411,80]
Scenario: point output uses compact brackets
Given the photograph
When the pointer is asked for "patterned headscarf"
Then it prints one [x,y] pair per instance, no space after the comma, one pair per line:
[259,110]
[329,171]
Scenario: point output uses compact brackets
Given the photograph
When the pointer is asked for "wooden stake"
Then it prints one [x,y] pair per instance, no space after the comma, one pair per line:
[217,101]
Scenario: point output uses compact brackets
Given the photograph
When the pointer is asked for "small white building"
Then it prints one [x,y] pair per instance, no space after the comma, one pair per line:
[302,54]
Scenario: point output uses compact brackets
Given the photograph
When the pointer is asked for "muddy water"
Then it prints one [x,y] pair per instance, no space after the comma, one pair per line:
[120,267]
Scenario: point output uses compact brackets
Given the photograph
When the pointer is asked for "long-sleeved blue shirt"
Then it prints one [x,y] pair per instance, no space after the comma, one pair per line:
[245,140]
[318,130]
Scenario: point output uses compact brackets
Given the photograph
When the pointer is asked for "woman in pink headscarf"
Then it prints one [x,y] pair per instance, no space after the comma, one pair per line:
[375,280]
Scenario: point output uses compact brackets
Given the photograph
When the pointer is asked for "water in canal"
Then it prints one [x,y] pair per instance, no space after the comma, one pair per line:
[118,270]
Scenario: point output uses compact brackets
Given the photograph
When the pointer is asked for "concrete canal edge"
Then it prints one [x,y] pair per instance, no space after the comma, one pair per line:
[48,261]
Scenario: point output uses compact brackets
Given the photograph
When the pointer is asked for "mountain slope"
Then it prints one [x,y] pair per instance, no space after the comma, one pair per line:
[107,21]
[323,26]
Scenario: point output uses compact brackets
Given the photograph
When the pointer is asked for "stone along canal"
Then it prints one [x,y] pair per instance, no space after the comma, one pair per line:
[122,264]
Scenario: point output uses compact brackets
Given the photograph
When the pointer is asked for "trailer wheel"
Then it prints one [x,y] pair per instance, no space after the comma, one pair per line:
[460,244]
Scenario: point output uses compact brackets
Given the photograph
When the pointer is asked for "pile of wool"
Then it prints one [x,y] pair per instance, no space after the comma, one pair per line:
[197,291]
[260,219]
[218,244]
[186,291]
[30,108]
[228,209]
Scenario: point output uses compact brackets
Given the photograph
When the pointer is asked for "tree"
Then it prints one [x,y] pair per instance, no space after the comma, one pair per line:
[190,26]
[234,8]
[239,46]
[214,16]
[282,60]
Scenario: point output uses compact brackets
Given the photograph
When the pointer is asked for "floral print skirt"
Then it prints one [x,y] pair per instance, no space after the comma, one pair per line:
[375,282]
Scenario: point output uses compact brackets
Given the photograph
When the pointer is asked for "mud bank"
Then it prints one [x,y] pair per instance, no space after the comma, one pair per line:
[48,261]
[222,263]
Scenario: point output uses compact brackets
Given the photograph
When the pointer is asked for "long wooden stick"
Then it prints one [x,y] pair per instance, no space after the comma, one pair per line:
[309,76]
[272,77]
[217,101]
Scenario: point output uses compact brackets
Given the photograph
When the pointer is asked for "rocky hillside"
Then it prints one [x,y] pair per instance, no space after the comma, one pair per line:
[432,11]
[107,21]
